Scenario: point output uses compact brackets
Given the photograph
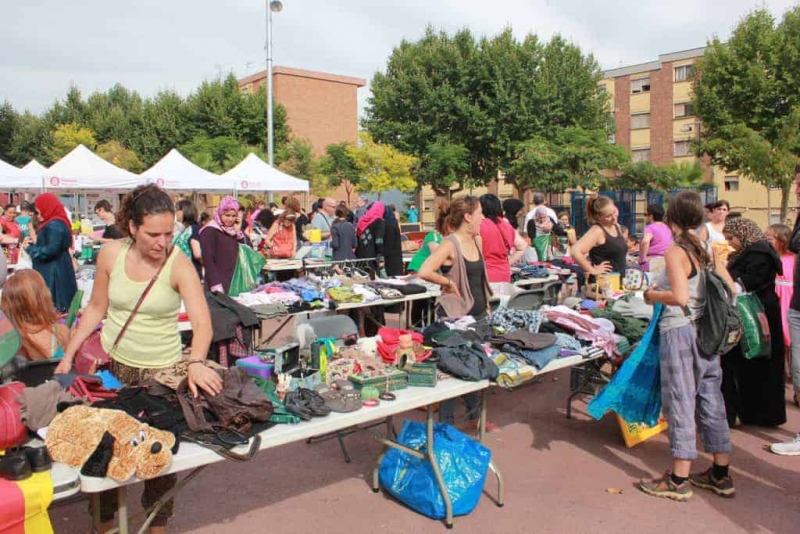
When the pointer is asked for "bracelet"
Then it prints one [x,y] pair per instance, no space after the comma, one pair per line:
[195,361]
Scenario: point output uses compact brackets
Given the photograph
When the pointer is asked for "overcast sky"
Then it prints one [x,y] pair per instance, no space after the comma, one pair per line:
[147,45]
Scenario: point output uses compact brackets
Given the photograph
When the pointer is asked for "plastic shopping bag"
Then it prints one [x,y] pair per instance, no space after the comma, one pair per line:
[245,275]
[463,463]
[756,338]
[544,246]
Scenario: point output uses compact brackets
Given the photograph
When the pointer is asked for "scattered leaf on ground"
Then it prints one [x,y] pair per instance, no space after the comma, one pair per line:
[614,490]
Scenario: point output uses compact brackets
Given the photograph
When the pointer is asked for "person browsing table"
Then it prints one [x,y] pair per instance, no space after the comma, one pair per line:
[151,341]
[219,245]
[603,248]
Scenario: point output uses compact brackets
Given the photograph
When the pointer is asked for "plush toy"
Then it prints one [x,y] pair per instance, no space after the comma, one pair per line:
[111,443]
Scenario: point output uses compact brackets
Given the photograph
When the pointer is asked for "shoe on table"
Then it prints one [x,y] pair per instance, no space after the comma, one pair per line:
[787,448]
[706,480]
[665,487]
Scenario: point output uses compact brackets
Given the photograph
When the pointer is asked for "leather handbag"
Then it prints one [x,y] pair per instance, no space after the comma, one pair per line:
[12,431]
[91,356]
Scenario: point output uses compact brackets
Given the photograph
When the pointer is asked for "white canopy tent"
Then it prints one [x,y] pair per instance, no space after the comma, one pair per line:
[35,168]
[15,179]
[175,172]
[83,169]
[253,174]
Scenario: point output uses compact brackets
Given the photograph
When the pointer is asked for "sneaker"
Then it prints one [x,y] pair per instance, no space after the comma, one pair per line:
[706,480]
[665,487]
[787,448]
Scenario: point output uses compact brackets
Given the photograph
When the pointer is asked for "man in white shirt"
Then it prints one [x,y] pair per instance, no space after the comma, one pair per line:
[538,200]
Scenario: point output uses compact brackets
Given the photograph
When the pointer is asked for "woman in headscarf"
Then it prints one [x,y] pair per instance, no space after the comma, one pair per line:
[219,242]
[754,389]
[49,250]
[371,232]
[392,244]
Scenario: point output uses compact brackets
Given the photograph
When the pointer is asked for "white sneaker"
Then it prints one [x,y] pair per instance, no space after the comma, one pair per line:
[787,448]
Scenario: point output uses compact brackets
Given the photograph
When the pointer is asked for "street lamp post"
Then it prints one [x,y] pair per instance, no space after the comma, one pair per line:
[273,6]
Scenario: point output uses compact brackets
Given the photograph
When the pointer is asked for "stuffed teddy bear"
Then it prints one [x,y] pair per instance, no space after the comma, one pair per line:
[106,442]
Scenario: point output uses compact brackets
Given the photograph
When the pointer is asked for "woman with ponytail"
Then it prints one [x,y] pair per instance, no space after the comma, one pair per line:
[603,248]
[690,382]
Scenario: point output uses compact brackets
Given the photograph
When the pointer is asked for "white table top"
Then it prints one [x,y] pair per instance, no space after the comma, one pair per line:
[191,455]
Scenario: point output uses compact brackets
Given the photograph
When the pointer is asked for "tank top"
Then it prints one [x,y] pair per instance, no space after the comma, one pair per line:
[152,339]
[713,235]
[475,278]
[614,251]
[674,316]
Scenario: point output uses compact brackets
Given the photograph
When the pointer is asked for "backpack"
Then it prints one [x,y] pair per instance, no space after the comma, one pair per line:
[720,327]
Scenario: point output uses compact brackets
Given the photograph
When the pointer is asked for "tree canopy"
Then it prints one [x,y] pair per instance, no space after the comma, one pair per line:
[747,95]
[464,105]
[382,167]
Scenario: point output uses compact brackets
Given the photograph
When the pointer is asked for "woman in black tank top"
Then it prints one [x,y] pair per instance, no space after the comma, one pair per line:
[602,249]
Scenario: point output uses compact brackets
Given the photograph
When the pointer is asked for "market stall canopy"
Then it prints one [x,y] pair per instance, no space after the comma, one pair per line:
[83,169]
[174,171]
[253,174]
[35,168]
[15,179]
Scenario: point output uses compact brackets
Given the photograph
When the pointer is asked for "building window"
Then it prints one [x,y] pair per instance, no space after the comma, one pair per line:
[684,109]
[247,89]
[731,183]
[684,73]
[640,120]
[640,85]
[682,148]
[641,154]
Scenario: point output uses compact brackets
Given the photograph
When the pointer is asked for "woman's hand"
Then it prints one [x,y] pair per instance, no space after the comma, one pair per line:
[204,378]
[64,366]
[647,294]
[451,287]
[602,268]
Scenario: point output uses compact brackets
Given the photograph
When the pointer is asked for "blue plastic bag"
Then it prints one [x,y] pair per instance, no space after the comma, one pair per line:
[463,463]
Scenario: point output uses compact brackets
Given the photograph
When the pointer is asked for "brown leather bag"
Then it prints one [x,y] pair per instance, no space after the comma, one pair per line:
[240,404]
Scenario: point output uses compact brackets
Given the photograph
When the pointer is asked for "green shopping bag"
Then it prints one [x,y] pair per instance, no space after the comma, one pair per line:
[245,275]
[756,338]
[182,242]
[544,246]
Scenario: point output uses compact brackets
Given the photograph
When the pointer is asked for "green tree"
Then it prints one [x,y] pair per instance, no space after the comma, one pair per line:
[571,157]
[337,168]
[296,158]
[464,106]
[32,139]
[68,136]
[8,127]
[747,95]
[215,154]
[114,152]
[382,167]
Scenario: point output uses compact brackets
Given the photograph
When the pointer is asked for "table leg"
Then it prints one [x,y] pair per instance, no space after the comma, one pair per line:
[96,511]
[122,509]
[275,332]
[481,437]
[431,454]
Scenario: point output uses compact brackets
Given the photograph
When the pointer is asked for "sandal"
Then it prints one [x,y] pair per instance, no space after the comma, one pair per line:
[315,403]
[332,397]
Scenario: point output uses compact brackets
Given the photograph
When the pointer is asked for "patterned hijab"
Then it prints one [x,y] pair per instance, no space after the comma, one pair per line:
[746,231]
[227,203]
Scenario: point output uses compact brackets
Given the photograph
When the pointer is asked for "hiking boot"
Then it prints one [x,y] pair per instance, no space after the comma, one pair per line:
[706,480]
[787,448]
[665,487]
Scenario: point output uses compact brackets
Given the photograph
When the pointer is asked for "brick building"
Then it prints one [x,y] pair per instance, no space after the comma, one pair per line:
[320,107]
[655,121]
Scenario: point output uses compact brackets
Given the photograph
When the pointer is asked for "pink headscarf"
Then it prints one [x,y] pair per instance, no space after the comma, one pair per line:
[228,203]
[374,213]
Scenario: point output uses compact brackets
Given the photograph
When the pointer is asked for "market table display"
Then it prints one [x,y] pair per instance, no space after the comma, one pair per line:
[194,458]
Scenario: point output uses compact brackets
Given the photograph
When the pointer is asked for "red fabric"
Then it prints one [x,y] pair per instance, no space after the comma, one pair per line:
[12,431]
[497,242]
[376,212]
[390,339]
[10,228]
[12,508]
[51,210]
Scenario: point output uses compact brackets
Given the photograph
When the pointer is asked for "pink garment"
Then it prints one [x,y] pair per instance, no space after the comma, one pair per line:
[784,289]
[375,212]
[660,242]
[228,203]
[497,243]
[583,327]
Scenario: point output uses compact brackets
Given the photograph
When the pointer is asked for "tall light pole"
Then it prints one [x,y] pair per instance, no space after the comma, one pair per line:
[273,6]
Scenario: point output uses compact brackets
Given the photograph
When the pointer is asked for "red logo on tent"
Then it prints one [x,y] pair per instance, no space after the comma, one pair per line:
[54,181]
[160,182]
[245,184]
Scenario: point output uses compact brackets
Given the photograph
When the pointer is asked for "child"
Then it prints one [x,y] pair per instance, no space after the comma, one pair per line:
[27,302]
[778,236]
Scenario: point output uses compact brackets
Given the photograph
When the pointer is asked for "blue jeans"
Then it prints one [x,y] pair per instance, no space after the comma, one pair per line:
[793,318]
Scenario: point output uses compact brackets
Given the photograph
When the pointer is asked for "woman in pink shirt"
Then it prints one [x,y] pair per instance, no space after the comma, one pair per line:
[656,240]
[502,246]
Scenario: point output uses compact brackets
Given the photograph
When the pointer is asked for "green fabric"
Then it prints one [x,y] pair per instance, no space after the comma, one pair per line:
[181,241]
[424,251]
[630,327]
[543,244]
[279,413]
[344,294]
[754,322]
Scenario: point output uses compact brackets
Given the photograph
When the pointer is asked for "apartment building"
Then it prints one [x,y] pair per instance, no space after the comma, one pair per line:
[655,121]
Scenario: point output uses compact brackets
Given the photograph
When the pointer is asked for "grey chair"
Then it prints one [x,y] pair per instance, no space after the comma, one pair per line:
[533,299]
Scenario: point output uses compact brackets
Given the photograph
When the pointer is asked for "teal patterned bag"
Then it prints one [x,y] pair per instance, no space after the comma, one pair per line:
[182,242]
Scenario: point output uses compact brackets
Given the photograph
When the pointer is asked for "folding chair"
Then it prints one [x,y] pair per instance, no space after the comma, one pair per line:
[533,299]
